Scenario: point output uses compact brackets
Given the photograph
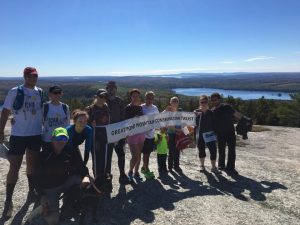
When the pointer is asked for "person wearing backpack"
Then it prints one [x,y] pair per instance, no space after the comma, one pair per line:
[102,151]
[55,114]
[25,103]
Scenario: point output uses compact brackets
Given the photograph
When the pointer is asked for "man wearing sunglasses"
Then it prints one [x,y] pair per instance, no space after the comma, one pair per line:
[59,170]
[25,103]
[224,116]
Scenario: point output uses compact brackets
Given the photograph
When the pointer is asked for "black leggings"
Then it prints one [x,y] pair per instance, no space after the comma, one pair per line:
[212,146]
[103,158]
[119,149]
[174,153]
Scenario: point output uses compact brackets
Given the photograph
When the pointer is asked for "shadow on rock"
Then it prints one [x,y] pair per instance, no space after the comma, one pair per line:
[240,184]
[148,196]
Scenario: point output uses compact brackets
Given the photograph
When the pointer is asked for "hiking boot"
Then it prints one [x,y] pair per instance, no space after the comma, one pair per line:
[8,209]
[123,179]
[149,175]
[178,169]
[215,170]
[137,177]
[202,169]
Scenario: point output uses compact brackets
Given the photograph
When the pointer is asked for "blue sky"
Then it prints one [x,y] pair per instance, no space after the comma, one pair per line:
[131,37]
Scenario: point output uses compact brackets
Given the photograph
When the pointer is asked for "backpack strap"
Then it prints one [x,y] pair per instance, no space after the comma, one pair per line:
[19,100]
[64,106]
[45,110]
[41,93]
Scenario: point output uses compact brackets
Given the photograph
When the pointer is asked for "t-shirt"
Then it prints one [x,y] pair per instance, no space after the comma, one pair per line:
[162,147]
[133,111]
[102,117]
[116,109]
[152,109]
[28,119]
[56,117]
[224,118]
[76,139]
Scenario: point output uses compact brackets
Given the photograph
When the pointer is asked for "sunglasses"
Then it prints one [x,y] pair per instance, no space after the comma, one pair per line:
[56,92]
[31,76]
[61,138]
[102,96]
[214,99]
[204,102]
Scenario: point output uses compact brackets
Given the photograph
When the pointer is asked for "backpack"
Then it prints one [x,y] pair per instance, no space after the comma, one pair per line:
[46,109]
[19,100]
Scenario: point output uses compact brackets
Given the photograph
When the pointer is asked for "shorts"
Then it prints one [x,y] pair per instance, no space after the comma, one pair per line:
[136,139]
[149,146]
[18,144]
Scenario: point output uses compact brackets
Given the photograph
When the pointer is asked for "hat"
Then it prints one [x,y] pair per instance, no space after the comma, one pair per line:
[55,89]
[30,70]
[111,84]
[60,131]
[101,92]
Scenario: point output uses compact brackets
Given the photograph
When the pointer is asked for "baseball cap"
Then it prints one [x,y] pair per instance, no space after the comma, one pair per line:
[55,89]
[60,131]
[30,70]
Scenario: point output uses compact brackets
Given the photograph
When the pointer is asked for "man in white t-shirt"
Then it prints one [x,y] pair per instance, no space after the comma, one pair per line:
[25,103]
[149,145]
[55,114]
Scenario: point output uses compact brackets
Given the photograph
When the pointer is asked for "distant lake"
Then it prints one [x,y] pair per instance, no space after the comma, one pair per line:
[243,94]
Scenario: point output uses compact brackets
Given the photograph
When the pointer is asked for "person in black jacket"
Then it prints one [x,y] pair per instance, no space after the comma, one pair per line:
[224,116]
[59,170]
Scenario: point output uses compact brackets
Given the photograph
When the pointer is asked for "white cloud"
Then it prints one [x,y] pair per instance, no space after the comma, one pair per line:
[258,58]
[297,53]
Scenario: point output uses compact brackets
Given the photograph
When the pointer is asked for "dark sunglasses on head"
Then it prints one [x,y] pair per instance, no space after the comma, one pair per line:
[61,138]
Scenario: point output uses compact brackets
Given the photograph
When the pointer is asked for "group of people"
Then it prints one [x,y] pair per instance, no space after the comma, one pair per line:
[37,125]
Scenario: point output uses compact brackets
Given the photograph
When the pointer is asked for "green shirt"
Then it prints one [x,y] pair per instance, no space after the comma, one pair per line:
[162,147]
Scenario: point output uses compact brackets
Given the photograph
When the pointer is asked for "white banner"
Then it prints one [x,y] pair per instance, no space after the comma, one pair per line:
[142,124]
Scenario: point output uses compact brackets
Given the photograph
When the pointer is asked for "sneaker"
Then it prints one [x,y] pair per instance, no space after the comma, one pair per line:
[8,209]
[178,169]
[215,170]
[202,169]
[137,176]
[149,175]
[130,176]
[123,179]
